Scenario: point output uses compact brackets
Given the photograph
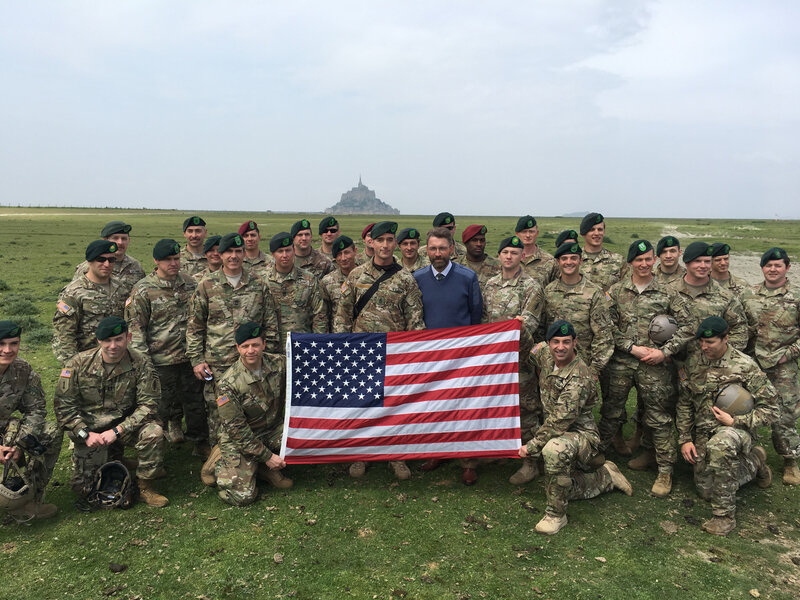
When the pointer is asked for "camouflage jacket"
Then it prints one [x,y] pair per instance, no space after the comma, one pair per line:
[362,257]
[421,262]
[200,274]
[396,305]
[704,378]
[191,264]
[21,390]
[250,408]
[487,268]
[670,278]
[587,307]
[81,306]
[298,298]
[568,396]
[331,288]
[605,268]
[262,262]
[773,319]
[315,263]
[735,284]
[89,396]
[541,266]
[156,312]
[217,309]
[519,296]
[126,272]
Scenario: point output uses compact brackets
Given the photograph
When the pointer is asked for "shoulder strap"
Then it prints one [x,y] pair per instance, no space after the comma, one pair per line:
[362,301]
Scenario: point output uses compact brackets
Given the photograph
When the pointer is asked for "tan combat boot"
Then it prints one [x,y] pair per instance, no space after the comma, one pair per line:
[644,462]
[620,446]
[636,439]
[550,525]
[208,472]
[663,485]
[175,432]
[401,470]
[618,479]
[33,510]
[791,474]
[274,476]
[764,473]
[719,525]
[527,472]
[357,469]
[149,496]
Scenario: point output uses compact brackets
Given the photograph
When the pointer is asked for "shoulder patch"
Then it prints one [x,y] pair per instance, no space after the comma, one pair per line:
[63,307]
[538,347]
[344,287]
[66,373]
[222,400]
[682,374]
[128,301]
[607,296]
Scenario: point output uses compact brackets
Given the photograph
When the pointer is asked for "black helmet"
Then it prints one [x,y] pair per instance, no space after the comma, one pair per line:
[113,487]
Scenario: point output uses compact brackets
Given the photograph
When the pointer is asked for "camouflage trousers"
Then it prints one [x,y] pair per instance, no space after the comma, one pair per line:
[148,441]
[210,394]
[39,469]
[181,396]
[568,476]
[236,473]
[784,432]
[724,464]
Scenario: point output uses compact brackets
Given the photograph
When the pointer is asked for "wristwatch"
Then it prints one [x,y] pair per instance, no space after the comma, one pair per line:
[116,431]
[83,433]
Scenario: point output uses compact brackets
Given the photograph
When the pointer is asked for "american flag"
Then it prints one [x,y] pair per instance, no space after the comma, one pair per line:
[403,395]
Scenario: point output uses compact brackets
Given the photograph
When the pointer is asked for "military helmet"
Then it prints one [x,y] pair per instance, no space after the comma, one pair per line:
[15,488]
[662,328]
[734,400]
[113,487]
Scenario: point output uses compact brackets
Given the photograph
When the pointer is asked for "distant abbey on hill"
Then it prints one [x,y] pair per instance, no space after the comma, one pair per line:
[361,201]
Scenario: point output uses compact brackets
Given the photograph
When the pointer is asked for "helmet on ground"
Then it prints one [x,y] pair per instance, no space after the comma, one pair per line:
[15,488]
[113,487]
[734,400]
[662,328]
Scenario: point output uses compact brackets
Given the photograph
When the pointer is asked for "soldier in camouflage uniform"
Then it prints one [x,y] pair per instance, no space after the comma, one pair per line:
[572,297]
[251,421]
[328,232]
[344,253]
[295,292]
[448,221]
[514,294]
[305,256]
[222,301]
[485,266]
[127,270]
[214,260]
[193,259]
[396,305]
[720,263]
[600,265]
[21,392]
[254,257]
[157,312]
[410,258]
[567,439]
[537,263]
[368,252]
[668,251]
[773,316]
[568,235]
[720,446]
[86,301]
[109,396]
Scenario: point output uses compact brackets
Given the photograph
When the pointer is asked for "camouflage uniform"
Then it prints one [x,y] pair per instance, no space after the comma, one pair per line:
[421,262]
[126,272]
[670,278]
[81,306]
[262,262]
[362,257]
[192,264]
[735,284]
[725,460]
[93,395]
[251,427]
[217,309]
[198,277]
[773,316]
[157,312]
[488,267]
[587,308]
[21,391]
[568,438]
[315,263]
[331,288]
[605,268]
[298,298]
[541,266]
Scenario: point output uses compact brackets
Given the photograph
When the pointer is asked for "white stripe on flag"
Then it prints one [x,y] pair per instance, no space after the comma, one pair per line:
[450,343]
[450,384]
[434,366]
[449,447]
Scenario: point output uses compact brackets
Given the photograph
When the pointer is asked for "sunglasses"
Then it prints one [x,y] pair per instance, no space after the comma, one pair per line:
[331,230]
[108,259]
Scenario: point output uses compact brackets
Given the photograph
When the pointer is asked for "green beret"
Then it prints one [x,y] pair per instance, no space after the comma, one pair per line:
[638,248]
[590,221]
[774,254]
[525,222]
[442,219]
[110,326]
[568,248]
[560,328]
[409,233]
[301,225]
[98,247]
[327,222]
[165,248]
[567,234]
[696,250]
[340,243]
[712,327]
[510,242]
[383,227]
[115,227]
[720,249]
[667,241]
[247,331]
[193,222]
[9,329]
[230,240]
[280,240]
[211,242]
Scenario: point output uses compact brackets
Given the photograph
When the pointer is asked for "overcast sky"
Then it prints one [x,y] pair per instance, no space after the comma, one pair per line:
[662,109]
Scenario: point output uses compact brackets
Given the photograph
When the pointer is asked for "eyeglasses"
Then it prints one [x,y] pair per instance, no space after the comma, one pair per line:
[450,227]
[108,259]
[331,230]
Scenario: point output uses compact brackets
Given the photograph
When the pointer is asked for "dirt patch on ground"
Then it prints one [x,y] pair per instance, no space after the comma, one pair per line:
[747,266]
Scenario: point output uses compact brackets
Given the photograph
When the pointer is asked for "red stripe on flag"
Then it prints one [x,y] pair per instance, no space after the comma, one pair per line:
[397,337]
[412,378]
[453,394]
[444,437]
[293,459]
[451,353]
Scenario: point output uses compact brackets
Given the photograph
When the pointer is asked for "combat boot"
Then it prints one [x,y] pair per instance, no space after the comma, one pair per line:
[175,432]
[791,474]
[764,473]
[33,510]
[201,450]
[400,469]
[274,476]
[130,463]
[663,485]
[527,472]
[618,480]
[620,446]
[357,469]
[636,439]
[208,472]
[719,525]
[644,462]
[550,524]
[149,496]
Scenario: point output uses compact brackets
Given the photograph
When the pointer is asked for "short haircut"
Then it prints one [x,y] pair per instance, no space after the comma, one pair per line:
[441,233]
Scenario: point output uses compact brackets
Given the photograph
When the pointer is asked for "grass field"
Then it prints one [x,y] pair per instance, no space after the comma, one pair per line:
[334,537]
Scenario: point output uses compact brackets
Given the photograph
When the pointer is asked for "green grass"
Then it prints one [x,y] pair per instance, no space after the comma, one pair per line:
[334,537]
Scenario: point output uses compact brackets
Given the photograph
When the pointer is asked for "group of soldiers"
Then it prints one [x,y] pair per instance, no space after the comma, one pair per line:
[193,351]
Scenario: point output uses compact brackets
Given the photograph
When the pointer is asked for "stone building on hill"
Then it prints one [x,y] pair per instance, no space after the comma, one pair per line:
[361,201]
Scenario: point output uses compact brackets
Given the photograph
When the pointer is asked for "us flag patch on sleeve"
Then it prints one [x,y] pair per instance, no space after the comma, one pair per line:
[64,307]
[66,373]
[223,400]
[538,347]
[128,301]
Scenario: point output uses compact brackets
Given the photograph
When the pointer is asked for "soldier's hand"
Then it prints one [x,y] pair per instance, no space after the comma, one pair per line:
[94,440]
[722,416]
[10,453]
[523,451]
[689,452]
[202,371]
[782,360]
[109,437]
[275,462]
[640,352]
[654,357]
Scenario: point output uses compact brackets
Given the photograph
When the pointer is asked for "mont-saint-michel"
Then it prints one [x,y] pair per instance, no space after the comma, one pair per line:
[361,200]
